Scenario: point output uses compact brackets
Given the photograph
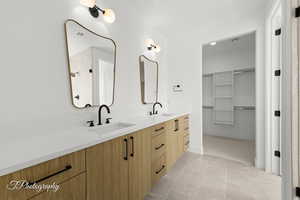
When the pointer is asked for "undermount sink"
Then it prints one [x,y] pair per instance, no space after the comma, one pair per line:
[167,115]
[109,128]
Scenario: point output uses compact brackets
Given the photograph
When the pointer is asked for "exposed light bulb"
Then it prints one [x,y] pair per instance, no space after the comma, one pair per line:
[88,3]
[149,42]
[109,15]
[212,43]
[157,49]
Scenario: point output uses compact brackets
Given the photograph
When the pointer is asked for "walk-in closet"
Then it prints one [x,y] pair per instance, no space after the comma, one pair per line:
[229,98]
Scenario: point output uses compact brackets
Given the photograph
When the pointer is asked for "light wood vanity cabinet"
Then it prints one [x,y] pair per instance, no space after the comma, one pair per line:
[159,161]
[139,164]
[107,170]
[120,169]
[177,134]
[73,189]
[57,171]
[124,168]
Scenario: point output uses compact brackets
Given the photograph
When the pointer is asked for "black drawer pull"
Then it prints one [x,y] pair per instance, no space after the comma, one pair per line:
[186,118]
[160,129]
[186,129]
[68,167]
[126,149]
[160,169]
[187,143]
[157,148]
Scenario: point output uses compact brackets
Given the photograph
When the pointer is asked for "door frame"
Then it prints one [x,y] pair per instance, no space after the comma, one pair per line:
[269,76]
[290,100]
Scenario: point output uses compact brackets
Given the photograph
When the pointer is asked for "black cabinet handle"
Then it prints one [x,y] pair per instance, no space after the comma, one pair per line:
[160,129]
[186,129]
[132,150]
[176,125]
[160,169]
[126,149]
[187,143]
[68,167]
[157,148]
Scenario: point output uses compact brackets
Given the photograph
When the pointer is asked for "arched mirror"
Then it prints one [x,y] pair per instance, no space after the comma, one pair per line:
[92,63]
[149,80]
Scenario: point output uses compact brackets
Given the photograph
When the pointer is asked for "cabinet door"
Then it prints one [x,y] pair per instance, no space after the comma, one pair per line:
[172,143]
[180,146]
[73,189]
[107,170]
[139,164]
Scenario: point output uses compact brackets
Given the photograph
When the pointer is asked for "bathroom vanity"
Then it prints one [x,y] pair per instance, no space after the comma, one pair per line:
[110,163]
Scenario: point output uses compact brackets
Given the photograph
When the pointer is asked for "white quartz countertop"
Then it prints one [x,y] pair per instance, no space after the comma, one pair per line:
[26,152]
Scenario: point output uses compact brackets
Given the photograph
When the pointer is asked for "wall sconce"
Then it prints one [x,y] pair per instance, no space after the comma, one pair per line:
[151,46]
[108,14]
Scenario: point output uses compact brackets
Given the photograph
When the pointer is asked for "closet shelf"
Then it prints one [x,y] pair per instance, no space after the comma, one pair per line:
[225,84]
[235,72]
[207,107]
[224,97]
[235,107]
[224,122]
[220,110]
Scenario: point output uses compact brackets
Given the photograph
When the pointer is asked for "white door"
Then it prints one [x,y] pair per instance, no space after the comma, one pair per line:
[276,93]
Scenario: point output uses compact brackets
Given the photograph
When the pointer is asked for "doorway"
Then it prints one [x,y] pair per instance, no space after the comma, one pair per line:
[229,126]
[275,105]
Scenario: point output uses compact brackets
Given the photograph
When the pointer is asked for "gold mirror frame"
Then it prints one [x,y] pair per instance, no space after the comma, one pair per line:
[69,65]
[141,78]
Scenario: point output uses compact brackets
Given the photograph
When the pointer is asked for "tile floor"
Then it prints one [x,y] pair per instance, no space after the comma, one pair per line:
[232,149]
[196,177]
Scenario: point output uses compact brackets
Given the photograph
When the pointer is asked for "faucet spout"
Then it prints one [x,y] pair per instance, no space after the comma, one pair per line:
[154,111]
[99,112]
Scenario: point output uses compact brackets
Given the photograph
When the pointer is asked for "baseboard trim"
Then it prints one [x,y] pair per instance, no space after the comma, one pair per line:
[196,150]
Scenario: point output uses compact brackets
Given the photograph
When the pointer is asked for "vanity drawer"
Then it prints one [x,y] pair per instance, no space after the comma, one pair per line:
[73,189]
[158,129]
[57,170]
[186,142]
[158,145]
[184,122]
[159,168]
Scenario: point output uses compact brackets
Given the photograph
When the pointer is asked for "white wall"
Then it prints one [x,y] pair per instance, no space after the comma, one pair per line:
[185,61]
[34,77]
[34,80]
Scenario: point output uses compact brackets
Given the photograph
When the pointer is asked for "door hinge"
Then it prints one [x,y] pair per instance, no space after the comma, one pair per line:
[297,191]
[277,154]
[278,32]
[297,12]
[277,113]
[277,72]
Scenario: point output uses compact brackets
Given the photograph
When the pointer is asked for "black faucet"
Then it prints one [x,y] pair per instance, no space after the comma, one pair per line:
[99,113]
[153,111]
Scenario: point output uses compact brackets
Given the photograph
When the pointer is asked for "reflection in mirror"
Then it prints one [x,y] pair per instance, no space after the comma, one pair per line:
[92,61]
[149,80]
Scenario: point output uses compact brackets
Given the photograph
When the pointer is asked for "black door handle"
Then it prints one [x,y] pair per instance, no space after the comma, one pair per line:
[68,167]
[176,125]
[126,149]
[132,150]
